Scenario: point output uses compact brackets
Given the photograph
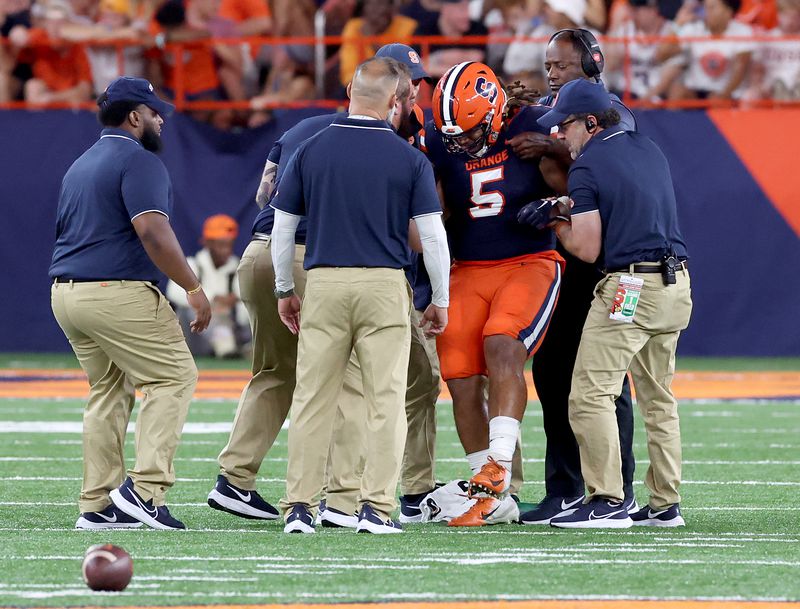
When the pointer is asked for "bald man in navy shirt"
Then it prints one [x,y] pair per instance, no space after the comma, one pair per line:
[358,208]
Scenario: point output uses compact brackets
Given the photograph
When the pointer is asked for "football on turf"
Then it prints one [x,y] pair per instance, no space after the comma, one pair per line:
[107,567]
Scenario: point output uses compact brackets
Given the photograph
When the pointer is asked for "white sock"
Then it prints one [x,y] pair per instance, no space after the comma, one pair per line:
[503,434]
[478,459]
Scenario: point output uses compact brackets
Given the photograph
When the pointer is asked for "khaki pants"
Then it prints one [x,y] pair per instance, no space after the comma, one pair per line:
[422,390]
[265,400]
[607,350]
[126,336]
[366,311]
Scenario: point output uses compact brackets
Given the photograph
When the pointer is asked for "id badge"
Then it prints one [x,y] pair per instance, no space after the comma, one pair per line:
[626,299]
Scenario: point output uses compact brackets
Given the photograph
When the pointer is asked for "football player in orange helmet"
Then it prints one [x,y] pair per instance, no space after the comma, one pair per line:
[505,279]
[468,107]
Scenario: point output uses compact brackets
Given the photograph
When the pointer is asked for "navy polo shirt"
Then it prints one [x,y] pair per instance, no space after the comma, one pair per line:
[626,177]
[283,149]
[108,186]
[358,184]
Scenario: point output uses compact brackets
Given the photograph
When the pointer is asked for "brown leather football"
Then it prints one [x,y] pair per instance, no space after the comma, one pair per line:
[107,567]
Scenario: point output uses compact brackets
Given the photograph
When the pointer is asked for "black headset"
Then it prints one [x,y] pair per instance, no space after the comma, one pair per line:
[591,126]
[592,60]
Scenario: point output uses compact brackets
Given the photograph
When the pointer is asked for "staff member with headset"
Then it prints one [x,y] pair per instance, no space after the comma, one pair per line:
[112,238]
[623,217]
[571,54]
[358,207]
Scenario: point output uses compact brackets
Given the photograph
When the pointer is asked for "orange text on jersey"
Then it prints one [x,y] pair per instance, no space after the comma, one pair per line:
[495,159]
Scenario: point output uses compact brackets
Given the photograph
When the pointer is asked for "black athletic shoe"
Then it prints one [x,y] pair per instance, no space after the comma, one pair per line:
[299,520]
[129,501]
[246,504]
[110,518]
[551,507]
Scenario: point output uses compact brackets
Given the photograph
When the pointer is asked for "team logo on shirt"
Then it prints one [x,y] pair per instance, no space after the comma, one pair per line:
[485,88]
[714,64]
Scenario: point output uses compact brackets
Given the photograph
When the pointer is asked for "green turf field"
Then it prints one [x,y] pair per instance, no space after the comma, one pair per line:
[741,472]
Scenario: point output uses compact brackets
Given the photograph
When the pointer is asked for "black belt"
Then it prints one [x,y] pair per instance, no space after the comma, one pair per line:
[655,267]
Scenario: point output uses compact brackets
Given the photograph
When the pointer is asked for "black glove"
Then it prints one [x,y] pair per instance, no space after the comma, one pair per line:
[537,213]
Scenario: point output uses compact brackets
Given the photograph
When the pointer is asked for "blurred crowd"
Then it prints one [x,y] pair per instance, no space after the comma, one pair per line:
[655,49]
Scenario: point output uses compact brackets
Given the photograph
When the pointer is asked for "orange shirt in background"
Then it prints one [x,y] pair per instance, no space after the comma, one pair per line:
[60,68]
[241,10]
[199,70]
[762,14]
[354,51]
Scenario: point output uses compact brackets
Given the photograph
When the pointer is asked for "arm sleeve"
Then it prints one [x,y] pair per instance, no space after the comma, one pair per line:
[145,186]
[289,190]
[582,189]
[283,249]
[436,256]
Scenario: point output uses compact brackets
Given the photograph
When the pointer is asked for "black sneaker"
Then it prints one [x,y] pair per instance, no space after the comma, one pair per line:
[110,518]
[551,507]
[129,501]
[299,520]
[336,519]
[409,507]
[599,513]
[370,522]
[247,504]
[669,517]
[631,505]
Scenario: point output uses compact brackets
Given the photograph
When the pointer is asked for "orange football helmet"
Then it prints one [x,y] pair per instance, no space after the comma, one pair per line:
[468,107]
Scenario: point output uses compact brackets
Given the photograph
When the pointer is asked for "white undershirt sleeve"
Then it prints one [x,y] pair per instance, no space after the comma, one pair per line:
[283,249]
[436,256]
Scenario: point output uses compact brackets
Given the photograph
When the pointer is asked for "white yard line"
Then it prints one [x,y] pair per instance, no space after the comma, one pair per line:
[94,597]
[206,481]
[642,462]
[204,505]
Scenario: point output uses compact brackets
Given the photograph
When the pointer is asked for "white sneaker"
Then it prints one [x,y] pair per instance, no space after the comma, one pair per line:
[488,510]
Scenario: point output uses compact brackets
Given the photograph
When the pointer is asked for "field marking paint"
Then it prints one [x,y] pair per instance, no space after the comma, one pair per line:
[437,600]
[206,481]
[642,462]
[77,427]
[204,505]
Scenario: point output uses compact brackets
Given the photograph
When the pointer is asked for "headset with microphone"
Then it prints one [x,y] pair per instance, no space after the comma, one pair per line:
[592,60]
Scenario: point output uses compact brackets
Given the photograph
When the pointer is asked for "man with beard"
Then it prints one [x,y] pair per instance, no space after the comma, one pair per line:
[112,238]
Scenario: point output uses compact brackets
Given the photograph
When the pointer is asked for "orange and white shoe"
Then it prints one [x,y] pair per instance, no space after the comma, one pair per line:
[493,479]
[488,510]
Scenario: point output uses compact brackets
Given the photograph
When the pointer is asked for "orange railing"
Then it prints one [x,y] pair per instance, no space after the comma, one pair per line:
[426,44]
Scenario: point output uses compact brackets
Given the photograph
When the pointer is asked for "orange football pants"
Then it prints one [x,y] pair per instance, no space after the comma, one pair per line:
[514,297]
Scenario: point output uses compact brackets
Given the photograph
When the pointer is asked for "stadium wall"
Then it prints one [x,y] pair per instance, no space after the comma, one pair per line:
[735,173]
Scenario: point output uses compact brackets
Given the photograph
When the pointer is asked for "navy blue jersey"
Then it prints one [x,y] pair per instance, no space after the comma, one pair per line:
[103,191]
[280,154]
[483,196]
